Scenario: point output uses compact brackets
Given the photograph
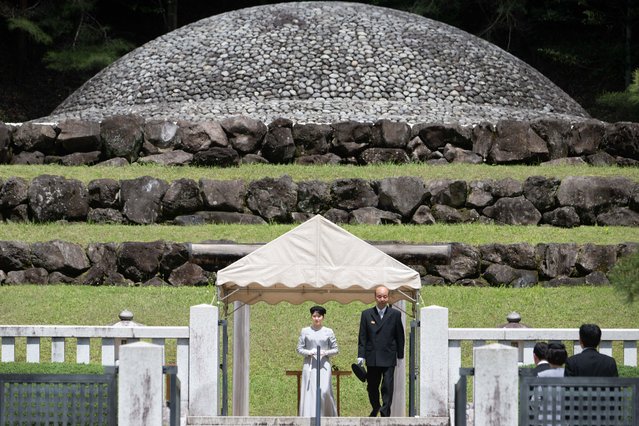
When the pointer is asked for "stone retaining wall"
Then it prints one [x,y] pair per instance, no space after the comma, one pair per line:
[570,202]
[166,263]
[124,139]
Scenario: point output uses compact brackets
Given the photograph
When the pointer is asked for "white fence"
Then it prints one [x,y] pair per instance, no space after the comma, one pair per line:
[196,350]
[441,352]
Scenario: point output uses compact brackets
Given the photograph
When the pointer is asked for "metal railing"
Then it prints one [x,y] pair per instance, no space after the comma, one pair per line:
[461,395]
[175,391]
[59,398]
[600,401]
[550,401]
[71,398]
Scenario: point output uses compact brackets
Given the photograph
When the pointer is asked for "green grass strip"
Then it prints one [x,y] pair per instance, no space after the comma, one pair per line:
[474,234]
[467,172]
[49,368]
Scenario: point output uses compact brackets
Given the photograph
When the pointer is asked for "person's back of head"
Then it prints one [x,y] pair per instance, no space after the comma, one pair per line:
[590,335]
[540,350]
[556,354]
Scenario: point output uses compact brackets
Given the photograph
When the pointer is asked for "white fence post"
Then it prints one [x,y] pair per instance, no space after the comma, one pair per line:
[140,384]
[398,407]
[496,385]
[203,361]
[433,362]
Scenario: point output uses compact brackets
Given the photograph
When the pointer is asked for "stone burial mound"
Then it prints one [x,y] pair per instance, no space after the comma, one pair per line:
[320,62]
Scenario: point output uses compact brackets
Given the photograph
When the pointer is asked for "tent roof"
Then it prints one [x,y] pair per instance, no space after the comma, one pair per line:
[316,261]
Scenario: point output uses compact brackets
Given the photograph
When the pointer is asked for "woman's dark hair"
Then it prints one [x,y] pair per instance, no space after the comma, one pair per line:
[556,353]
[319,309]
[540,350]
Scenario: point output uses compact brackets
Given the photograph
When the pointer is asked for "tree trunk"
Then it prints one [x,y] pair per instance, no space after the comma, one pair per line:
[628,39]
[171,15]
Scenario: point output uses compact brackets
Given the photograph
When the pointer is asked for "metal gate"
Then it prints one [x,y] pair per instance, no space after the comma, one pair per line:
[583,401]
[59,399]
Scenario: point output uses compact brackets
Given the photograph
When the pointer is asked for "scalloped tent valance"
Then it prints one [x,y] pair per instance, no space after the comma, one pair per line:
[317,261]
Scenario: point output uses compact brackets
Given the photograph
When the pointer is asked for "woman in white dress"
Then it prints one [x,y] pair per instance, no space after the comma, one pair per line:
[310,338]
[556,356]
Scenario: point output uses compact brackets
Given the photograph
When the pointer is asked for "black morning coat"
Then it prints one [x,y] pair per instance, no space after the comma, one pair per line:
[590,363]
[381,341]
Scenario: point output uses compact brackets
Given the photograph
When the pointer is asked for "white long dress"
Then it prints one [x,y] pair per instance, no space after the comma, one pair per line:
[556,396]
[307,347]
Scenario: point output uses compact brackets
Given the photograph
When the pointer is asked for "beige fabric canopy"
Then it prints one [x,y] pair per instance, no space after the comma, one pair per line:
[317,261]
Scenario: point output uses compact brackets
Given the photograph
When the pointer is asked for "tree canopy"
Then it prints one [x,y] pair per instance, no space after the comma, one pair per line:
[52,46]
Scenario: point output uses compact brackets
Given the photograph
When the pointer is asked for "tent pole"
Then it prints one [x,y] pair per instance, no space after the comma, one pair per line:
[412,375]
[225,371]
[411,369]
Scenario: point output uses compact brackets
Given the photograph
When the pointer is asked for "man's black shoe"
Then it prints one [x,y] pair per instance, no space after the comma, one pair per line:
[374,412]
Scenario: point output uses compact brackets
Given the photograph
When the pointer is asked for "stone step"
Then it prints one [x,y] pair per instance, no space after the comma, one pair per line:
[325,421]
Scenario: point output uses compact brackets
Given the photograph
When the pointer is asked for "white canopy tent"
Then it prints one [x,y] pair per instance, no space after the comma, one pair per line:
[317,261]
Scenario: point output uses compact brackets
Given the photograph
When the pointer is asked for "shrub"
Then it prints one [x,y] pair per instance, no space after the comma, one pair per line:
[624,276]
[626,371]
[621,106]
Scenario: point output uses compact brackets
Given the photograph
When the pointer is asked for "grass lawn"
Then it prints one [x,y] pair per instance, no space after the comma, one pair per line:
[275,328]
[475,234]
[467,172]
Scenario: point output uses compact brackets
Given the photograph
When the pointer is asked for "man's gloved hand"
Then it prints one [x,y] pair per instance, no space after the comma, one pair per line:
[360,361]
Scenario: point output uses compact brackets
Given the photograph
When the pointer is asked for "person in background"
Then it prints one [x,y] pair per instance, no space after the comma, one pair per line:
[589,362]
[556,355]
[380,343]
[310,338]
[539,357]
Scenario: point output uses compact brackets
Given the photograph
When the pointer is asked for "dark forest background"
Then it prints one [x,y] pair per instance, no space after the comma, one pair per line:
[589,48]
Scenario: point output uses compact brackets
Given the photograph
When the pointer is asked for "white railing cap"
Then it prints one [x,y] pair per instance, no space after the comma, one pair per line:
[537,334]
[144,332]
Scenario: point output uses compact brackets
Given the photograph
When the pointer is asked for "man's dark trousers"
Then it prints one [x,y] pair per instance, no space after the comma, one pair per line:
[373,377]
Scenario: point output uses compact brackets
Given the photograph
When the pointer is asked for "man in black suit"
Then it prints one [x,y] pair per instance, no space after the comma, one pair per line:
[589,362]
[380,344]
[539,357]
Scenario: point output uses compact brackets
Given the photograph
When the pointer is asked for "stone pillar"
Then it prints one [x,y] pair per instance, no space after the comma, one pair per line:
[140,384]
[496,385]
[204,361]
[398,408]
[241,352]
[433,362]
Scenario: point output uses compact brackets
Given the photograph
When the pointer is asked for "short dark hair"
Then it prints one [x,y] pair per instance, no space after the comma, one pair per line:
[319,309]
[540,350]
[590,335]
[557,353]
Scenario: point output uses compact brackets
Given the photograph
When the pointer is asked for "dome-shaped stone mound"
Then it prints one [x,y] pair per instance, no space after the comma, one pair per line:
[320,62]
